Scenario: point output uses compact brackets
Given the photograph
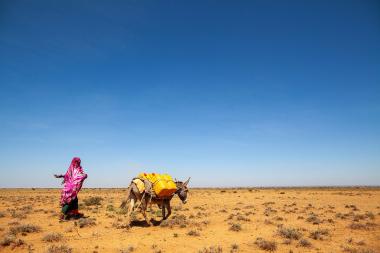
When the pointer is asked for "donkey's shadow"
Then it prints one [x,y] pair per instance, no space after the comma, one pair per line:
[143,223]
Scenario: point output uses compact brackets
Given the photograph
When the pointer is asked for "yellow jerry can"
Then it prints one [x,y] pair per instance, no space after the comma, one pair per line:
[163,184]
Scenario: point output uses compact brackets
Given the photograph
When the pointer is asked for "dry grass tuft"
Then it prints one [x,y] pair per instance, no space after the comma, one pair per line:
[53,237]
[355,250]
[266,245]
[193,233]
[10,240]
[211,249]
[7,240]
[289,233]
[318,234]
[93,201]
[86,222]
[313,218]
[24,229]
[370,215]
[235,227]
[304,243]
[176,220]
[128,250]
[110,208]
[234,247]
[361,226]
[59,249]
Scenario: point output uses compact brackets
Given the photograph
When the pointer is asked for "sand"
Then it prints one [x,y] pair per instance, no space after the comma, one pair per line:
[213,220]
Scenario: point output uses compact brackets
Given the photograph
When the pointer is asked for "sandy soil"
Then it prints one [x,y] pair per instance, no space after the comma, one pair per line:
[213,220]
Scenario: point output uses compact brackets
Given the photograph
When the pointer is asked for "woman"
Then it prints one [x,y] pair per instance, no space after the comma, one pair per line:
[72,181]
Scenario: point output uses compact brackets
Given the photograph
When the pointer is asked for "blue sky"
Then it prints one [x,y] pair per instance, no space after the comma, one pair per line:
[231,93]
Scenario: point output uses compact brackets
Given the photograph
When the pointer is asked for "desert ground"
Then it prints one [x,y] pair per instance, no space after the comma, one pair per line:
[213,220]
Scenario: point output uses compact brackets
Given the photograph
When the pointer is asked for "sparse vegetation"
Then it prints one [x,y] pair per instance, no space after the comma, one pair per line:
[235,227]
[7,240]
[318,234]
[93,201]
[86,222]
[128,250]
[211,249]
[24,229]
[289,233]
[313,218]
[234,247]
[176,220]
[59,249]
[193,233]
[349,249]
[287,228]
[110,208]
[361,226]
[304,243]
[53,237]
[265,244]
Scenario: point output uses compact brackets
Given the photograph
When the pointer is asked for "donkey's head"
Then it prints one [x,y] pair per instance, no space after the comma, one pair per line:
[182,190]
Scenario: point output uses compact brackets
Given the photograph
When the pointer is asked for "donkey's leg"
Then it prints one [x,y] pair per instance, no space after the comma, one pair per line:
[144,206]
[131,206]
[169,208]
[163,210]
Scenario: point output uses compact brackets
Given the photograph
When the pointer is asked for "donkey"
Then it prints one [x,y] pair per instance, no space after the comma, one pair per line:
[147,198]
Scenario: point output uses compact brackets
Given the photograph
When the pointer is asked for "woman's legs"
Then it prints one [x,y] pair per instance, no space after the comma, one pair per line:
[73,208]
[70,209]
[65,209]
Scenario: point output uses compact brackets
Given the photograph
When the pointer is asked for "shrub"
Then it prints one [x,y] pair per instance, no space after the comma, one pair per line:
[176,220]
[59,249]
[318,234]
[358,226]
[93,201]
[242,218]
[128,250]
[52,237]
[86,222]
[234,247]
[268,211]
[355,250]
[313,218]
[110,208]
[211,249]
[7,240]
[289,233]
[19,215]
[18,243]
[304,243]
[266,245]
[25,229]
[193,233]
[370,215]
[235,227]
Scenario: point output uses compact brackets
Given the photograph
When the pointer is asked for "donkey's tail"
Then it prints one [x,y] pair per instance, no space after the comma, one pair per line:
[125,201]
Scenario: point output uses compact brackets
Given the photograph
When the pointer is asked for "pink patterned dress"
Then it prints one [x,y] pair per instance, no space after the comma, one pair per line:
[73,181]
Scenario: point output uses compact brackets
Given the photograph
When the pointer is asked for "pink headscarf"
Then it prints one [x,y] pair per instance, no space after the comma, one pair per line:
[73,181]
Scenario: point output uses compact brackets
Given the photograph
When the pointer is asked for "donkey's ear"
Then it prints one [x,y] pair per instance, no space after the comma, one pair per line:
[186,182]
